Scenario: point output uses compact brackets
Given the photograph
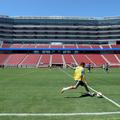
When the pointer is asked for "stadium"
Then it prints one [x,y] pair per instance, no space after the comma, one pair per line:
[62,39]
[37,54]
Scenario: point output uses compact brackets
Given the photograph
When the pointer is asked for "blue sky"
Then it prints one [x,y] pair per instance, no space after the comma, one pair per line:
[82,8]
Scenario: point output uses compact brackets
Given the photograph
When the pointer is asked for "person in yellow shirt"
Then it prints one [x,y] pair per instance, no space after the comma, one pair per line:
[79,77]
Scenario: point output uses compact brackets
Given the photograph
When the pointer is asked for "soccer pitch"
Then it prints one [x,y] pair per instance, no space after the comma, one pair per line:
[34,94]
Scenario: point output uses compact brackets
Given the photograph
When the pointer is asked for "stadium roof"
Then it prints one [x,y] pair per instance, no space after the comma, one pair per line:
[61,17]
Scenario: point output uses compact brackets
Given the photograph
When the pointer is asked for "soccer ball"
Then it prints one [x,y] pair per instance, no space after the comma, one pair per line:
[99,94]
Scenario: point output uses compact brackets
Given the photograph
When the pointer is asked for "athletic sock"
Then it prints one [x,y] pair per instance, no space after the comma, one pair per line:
[66,88]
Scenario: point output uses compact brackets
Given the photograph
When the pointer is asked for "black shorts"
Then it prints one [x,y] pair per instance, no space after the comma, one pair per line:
[79,82]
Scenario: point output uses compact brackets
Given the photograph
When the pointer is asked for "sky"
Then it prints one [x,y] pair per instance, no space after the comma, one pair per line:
[81,8]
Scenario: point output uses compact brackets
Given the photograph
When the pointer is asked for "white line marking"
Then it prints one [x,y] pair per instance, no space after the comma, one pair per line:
[58,114]
[96,91]
[106,97]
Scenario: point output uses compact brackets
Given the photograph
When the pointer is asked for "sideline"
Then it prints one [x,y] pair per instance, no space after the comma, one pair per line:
[58,114]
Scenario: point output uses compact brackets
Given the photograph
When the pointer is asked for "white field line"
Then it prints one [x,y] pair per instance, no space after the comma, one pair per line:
[59,114]
[106,97]
[116,104]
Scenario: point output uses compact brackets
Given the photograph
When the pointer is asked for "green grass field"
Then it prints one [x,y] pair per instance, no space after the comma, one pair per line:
[38,91]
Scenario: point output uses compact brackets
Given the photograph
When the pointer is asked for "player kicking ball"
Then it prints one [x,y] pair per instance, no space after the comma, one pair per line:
[79,77]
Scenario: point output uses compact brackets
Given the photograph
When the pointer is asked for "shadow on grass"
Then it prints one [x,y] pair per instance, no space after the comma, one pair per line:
[81,96]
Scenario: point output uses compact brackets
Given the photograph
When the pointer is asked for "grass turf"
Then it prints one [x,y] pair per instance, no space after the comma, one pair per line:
[38,91]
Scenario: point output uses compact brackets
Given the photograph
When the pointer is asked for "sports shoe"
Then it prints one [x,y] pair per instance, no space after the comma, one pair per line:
[91,94]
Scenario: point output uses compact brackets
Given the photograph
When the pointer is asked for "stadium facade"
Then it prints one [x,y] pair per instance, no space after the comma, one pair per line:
[60,29]
[59,41]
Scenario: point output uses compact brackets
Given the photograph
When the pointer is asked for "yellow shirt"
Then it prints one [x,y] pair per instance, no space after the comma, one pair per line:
[79,71]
